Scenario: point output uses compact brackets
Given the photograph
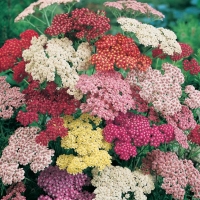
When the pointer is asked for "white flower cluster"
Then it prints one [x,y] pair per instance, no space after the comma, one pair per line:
[115,183]
[149,35]
[47,57]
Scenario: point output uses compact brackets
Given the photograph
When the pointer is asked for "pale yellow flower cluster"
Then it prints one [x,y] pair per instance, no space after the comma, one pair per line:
[88,143]
[114,181]
[46,58]
[41,4]
[149,35]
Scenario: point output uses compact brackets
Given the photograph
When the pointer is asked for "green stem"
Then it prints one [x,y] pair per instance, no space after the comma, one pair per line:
[26,81]
[45,14]
[38,19]
[34,26]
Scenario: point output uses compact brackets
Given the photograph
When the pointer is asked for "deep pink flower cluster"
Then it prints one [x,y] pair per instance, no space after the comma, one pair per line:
[192,66]
[54,128]
[12,49]
[46,101]
[19,72]
[23,150]
[10,99]
[194,135]
[59,185]
[177,173]
[107,94]
[121,51]
[82,23]
[129,131]
[14,192]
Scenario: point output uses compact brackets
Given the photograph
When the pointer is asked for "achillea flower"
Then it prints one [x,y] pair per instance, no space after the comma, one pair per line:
[163,91]
[88,143]
[54,129]
[11,51]
[177,173]
[193,99]
[114,182]
[19,72]
[46,58]
[23,150]
[82,23]
[14,192]
[148,35]
[192,66]
[10,99]
[186,52]
[41,4]
[59,184]
[107,94]
[121,51]
[46,101]
[134,7]
[183,119]
[194,135]
[129,131]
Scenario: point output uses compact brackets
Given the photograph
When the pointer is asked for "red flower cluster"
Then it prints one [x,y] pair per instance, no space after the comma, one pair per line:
[82,23]
[158,53]
[19,72]
[54,128]
[192,66]
[26,118]
[49,100]
[121,51]
[12,49]
[129,131]
[186,51]
[194,135]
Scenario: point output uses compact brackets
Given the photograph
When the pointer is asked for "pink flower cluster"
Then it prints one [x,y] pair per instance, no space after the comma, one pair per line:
[107,94]
[129,131]
[193,100]
[54,128]
[181,121]
[14,192]
[177,173]
[10,99]
[23,150]
[135,7]
[163,91]
[59,185]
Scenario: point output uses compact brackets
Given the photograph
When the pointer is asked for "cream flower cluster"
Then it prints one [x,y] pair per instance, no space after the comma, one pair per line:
[116,182]
[46,58]
[41,4]
[149,35]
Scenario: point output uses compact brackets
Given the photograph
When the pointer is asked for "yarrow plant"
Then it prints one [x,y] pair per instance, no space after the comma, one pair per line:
[91,111]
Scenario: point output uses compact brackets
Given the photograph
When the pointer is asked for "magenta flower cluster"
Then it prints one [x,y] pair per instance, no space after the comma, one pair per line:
[107,94]
[177,174]
[129,131]
[10,99]
[59,185]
